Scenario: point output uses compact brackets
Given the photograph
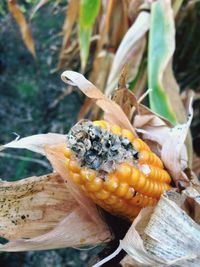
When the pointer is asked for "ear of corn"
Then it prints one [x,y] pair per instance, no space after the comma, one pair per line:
[126,189]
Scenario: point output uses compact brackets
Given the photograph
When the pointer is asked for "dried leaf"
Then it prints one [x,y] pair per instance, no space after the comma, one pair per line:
[33,206]
[115,28]
[36,143]
[113,113]
[38,6]
[172,148]
[23,26]
[75,230]
[72,14]
[155,238]
[130,51]
[161,240]
[126,100]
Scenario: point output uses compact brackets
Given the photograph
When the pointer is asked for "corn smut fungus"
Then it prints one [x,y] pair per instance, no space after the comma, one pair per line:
[114,168]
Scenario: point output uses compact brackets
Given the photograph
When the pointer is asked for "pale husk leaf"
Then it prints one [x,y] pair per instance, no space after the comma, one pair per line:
[36,143]
[33,206]
[130,51]
[166,237]
[112,112]
[75,230]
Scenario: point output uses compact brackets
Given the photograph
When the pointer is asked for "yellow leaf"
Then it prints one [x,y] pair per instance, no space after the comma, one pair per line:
[23,26]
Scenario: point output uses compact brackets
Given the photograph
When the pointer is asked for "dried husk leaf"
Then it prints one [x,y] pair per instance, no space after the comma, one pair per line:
[33,206]
[23,26]
[130,51]
[168,237]
[36,143]
[72,14]
[112,112]
[38,6]
[75,230]
[65,222]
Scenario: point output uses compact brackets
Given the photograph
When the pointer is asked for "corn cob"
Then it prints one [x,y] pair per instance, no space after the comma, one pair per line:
[133,178]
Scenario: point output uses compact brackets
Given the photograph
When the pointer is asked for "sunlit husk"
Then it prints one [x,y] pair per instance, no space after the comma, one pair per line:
[168,237]
[33,206]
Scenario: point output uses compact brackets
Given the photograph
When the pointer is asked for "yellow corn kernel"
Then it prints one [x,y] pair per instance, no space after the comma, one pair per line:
[140,145]
[128,134]
[123,171]
[158,174]
[102,194]
[147,157]
[112,200]
[122,190]
[67,152]
[130,193]
[87,174]
[95,185]
[67,161]
[134,177]
[115,129]
[111,183]
[73,166]
[76,178]
[102,124]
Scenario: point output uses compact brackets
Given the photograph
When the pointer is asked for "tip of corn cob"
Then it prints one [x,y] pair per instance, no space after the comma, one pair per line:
[115,169]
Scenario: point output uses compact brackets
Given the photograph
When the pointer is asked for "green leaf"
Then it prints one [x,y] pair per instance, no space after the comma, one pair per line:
[88,13]
[160,52]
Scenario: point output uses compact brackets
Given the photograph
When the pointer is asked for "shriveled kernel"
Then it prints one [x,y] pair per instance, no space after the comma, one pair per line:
[128,134]
[102,194]
[111,183]
[115,129]
[137,200]
[95,186]
[73,166]
[123,171]
[122,190]
[88,174]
